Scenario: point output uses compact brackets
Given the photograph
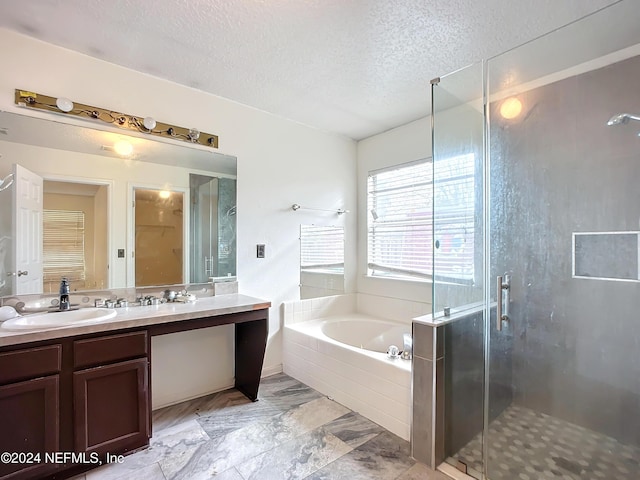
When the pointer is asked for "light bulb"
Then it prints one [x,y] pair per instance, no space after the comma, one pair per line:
[64,104]
[123,148]
[149,123]
[194,134]
[164,194]
[511,108]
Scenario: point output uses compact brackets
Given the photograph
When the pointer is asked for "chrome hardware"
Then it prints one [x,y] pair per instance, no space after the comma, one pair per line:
[22,272]
[98,302]
[65,304]
[407,347]
[208,265]
[393,351]
[11,274]
[502,311]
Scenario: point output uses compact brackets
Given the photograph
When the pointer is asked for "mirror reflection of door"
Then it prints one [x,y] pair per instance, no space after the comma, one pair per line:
[26,231]
[321,261]
[75,232]
[159,220]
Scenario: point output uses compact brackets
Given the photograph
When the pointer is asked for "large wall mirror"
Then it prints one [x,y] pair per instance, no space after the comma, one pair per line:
[110,210]
[321,261]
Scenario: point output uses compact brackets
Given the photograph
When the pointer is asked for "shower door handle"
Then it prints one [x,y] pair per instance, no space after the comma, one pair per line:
[503,284]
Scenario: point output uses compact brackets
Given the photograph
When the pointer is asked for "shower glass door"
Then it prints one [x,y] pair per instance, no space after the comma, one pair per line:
[458,247]
[562,369]
[552,390]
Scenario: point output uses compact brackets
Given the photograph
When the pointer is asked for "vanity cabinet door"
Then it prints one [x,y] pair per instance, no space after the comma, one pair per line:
[29,425]
[111,407]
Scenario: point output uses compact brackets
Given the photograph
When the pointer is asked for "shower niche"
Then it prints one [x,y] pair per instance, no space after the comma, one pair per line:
[606,256]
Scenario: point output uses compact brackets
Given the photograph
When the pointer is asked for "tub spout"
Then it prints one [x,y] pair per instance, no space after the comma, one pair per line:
[407,350]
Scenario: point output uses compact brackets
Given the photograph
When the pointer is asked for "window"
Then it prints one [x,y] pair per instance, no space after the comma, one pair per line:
[401,219]
[63,245]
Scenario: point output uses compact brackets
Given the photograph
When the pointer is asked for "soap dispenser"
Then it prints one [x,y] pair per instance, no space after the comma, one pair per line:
[64,294]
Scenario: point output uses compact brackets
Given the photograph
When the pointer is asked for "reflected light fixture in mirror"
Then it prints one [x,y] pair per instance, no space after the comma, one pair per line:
[511,108]
[123,148]
[164,194]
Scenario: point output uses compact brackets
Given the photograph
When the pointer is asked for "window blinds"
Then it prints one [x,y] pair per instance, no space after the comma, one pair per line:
[321,247]
[63,245]
[401,219]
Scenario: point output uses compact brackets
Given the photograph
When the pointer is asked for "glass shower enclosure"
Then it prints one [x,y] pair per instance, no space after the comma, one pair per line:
[538,255]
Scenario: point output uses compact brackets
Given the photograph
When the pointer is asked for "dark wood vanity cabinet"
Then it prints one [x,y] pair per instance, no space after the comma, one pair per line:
[91,394]
[29,410]
[82,395]
[111,393]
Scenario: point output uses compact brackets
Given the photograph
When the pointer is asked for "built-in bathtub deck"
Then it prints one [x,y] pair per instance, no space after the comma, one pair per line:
[366,381]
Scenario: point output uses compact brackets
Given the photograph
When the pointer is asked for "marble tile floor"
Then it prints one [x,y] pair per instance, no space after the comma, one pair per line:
[292,432]
[528,445]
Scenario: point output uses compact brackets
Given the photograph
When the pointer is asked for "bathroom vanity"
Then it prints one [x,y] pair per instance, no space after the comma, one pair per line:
[85,392]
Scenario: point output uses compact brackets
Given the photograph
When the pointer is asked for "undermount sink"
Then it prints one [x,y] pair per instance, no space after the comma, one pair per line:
[59,319]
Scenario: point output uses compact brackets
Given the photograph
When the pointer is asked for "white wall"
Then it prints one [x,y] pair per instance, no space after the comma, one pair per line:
[400,145]
[280,163]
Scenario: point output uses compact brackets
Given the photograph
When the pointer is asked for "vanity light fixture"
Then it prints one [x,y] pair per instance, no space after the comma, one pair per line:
[64,104]
[194,134]
[164,194]
[148,125]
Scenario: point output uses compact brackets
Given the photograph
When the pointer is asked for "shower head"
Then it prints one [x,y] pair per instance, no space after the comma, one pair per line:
[622,118]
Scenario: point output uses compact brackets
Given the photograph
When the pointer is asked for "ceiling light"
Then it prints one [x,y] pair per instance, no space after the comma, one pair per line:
[123,148]
[64,104]
[164,194]
[511,108]
[149,123]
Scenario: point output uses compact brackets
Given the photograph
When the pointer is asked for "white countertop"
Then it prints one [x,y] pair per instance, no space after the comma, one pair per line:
[131,317]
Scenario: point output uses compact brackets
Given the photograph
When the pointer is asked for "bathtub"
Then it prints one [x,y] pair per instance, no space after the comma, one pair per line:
[344,357]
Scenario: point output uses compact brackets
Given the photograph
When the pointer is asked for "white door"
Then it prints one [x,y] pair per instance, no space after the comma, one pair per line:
[27,231]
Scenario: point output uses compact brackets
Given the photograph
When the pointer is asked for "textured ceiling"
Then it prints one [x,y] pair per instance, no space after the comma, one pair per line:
[353,67]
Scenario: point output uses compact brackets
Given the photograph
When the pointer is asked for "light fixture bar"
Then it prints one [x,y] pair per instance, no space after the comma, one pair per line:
[148,125]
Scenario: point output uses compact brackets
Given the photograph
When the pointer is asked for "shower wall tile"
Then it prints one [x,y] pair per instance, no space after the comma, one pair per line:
[423,341]
[428,422]
[422,422]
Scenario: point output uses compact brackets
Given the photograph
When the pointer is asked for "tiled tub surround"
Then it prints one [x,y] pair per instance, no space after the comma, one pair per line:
[365,381]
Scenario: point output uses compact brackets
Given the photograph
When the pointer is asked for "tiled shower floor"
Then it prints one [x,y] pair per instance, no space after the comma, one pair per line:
[526,445]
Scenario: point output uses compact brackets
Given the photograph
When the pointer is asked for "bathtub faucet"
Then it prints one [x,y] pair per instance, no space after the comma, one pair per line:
[407,350]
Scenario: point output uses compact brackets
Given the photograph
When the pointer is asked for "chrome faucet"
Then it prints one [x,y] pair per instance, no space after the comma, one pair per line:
[407,350]
[64,294]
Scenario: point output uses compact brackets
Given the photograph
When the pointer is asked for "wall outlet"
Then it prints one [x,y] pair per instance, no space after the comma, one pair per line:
[121,253]
[260,250]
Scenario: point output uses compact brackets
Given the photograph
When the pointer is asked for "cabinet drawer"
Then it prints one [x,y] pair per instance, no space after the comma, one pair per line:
[30,363]
[112,348]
